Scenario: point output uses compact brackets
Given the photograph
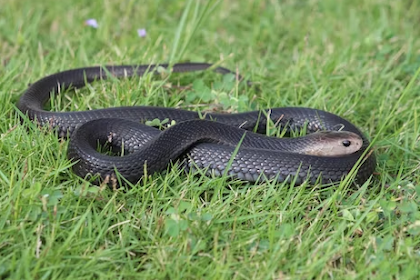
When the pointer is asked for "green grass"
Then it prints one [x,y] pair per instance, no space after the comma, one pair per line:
[357,59]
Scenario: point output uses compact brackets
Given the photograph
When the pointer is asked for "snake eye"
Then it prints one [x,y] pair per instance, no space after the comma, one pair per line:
[346,143]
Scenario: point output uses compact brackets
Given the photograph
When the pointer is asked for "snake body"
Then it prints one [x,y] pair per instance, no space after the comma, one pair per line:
[210,144]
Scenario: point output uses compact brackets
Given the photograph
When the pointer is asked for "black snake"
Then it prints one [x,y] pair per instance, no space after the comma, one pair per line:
[217,143]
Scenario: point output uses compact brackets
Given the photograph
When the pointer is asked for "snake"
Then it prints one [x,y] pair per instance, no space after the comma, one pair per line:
[215,144]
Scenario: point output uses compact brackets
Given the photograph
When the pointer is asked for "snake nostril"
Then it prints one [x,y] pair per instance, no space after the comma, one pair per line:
[346,143]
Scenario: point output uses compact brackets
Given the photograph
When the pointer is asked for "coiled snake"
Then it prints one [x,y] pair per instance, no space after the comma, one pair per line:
[217,143]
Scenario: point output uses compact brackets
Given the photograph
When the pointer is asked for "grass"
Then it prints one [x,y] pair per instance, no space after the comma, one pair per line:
[358,59]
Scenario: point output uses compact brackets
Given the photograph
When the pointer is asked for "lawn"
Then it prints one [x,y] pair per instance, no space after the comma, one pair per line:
[358,59]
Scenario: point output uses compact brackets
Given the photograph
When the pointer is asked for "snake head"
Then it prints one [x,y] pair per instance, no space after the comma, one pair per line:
[333,143]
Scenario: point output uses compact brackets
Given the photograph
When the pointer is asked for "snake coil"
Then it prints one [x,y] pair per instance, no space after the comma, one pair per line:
[207,144]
